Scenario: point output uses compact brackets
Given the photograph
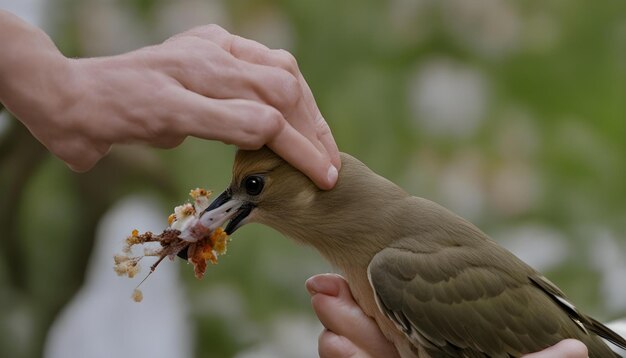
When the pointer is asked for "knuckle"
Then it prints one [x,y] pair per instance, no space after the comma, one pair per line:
[217,35]
[212,28]
[271,123]
[267,122]
[287,92]
[287,62]
[208,31]
[102,148]
[157,129]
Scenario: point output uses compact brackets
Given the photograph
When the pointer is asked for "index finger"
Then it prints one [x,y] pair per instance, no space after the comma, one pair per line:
[298,151]
[257,53]
[252,51]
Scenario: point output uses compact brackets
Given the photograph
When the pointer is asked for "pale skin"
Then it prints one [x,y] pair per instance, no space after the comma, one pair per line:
[205,83]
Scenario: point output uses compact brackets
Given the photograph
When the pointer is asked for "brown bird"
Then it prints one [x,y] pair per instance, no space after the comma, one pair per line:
[435,284]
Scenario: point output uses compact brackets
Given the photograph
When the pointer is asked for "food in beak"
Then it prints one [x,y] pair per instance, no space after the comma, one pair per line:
[191,229]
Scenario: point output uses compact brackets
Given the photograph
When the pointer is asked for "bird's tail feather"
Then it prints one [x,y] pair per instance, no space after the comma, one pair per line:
[605,332]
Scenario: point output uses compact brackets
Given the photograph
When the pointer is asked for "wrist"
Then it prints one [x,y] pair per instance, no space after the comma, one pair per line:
[34,75]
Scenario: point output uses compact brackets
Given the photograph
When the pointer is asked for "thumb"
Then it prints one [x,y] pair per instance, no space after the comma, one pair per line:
[339,313]
[568,348]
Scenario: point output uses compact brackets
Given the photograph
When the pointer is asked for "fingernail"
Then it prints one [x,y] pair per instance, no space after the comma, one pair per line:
[332,176]
[322,284]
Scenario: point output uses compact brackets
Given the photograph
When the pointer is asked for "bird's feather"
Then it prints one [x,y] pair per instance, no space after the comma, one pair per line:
[459,300]
[450,290]
[586,322]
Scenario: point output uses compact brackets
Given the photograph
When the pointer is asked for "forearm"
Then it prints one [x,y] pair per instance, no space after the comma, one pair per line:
[28,61]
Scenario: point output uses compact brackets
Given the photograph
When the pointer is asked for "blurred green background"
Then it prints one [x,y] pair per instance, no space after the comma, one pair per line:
[511,113]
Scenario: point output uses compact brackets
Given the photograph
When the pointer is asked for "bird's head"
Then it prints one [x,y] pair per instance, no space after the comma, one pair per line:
[267,190]
[264,188]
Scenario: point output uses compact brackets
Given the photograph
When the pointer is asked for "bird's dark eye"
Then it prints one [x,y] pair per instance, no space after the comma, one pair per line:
[254,184]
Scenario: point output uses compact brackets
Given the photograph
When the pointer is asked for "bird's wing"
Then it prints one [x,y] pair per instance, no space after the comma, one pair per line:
[584,321]
[464,300]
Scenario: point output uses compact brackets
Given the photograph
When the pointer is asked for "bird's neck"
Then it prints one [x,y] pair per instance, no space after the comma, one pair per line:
[348,233]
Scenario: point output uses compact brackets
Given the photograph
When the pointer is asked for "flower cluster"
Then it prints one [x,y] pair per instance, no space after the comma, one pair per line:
[205,247]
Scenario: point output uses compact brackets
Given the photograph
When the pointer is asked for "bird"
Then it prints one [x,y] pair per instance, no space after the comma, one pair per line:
[435,284]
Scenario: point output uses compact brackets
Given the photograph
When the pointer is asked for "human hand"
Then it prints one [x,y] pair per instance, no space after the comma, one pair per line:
[350,333]
[567,348]
[204,82]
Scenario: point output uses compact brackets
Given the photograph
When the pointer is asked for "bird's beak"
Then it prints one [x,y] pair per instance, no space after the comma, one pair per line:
[224,208]
[220,211]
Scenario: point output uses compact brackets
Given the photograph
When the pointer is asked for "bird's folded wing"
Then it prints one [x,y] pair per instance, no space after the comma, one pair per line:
[474,300]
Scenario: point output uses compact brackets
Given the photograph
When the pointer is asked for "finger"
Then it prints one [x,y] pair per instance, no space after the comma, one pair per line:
[298,151]
[329,284]
[311,123]
[568,348]
[254,52]
[330,345]
[207,69]
[249,125]
[201,61]
[275,79]
[307,120]
[302,110]
[339,313]
[328,141]
[243,70]
[244,123]
[257,53]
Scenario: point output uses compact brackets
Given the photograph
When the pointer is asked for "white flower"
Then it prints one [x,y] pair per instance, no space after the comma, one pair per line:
[200,199]
[185,217]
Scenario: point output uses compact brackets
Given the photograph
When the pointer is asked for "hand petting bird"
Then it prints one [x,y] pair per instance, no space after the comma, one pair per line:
[435,285]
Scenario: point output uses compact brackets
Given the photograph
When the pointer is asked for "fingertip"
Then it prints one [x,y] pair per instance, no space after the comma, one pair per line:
[326,284]
[332,176]
[325,180]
